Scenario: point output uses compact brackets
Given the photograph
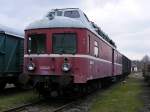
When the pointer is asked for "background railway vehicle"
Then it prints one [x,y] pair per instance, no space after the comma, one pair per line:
[65,51]
[126,66]
[146,72]
[11,55]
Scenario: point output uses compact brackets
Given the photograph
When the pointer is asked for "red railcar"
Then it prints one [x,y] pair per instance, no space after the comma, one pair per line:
[65,48]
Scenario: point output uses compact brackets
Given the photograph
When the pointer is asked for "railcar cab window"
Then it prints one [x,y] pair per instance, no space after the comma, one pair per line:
[96,49]
[64,43]
[37,44]
[72,14]
[50,14]
[59,13]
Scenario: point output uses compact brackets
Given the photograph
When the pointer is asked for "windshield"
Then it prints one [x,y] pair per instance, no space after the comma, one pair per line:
[72,14]
[64,43]
[37,44]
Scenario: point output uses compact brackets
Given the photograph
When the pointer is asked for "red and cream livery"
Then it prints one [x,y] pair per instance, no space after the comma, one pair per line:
[66,48]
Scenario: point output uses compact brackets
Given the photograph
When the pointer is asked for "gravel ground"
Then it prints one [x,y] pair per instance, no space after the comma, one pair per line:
[85,104]
[81,106]
[42,108]
[46,106]
[145,96]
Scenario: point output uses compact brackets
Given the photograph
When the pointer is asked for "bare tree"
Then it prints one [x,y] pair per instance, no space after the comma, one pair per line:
[145,62]
[145,59]
[140,64]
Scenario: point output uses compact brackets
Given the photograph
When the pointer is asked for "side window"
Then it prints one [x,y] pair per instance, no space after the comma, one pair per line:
[119,59]
[96,49]
[116,57]
[88,45]
[72,14]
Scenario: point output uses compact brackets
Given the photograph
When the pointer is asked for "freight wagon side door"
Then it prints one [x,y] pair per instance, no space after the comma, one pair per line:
[12,54]
[2,52]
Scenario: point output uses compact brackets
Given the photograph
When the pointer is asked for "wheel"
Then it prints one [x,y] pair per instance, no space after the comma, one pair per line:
[2,85]
[106,82]
[18,85]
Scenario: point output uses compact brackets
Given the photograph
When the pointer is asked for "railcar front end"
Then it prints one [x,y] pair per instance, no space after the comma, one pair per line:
[66,50]
[56,56]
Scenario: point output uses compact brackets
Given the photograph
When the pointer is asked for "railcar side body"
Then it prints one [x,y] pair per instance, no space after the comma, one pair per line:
[85,63]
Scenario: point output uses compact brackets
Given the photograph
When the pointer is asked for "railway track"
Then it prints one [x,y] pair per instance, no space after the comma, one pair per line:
[21,107]
[50,106]
[39,106]
[58,105]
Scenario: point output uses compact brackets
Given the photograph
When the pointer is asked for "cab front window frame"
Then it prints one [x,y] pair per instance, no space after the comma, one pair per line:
[64,43]
[36,44]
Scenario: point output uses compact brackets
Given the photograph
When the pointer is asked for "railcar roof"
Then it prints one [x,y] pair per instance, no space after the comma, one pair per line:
[65,9]
[52,20]
[11,31]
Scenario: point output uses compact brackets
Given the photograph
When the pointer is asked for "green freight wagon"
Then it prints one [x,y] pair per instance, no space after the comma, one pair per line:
[11,55]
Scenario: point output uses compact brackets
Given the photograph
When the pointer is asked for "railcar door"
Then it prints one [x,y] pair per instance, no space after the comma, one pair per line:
[113,62]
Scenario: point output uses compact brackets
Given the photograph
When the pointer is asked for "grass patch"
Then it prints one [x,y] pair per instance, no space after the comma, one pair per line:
[17,99]
[123,97]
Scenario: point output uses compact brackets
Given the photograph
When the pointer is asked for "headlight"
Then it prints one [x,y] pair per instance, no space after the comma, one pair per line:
[31,67]
[66,67]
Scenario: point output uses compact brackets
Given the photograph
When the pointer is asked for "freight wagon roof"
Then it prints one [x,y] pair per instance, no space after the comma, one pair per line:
[11,31]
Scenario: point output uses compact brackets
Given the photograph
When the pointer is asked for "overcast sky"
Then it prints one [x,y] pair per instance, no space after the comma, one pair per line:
[127,22]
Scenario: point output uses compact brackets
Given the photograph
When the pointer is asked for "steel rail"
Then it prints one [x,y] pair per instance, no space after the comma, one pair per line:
[64,106]
[22,107]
